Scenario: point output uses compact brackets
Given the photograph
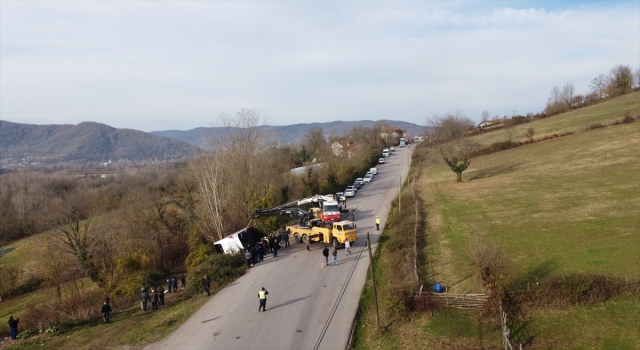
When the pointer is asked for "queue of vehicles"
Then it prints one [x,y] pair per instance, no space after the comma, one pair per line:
[322,223]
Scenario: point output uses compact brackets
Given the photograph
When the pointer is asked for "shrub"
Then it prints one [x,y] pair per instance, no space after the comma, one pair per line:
[222,268]
[594,126]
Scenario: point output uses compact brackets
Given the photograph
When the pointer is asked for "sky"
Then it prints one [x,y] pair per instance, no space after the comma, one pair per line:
[163,65]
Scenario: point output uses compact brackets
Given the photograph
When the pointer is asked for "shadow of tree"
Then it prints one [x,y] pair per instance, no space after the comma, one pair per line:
[490,172]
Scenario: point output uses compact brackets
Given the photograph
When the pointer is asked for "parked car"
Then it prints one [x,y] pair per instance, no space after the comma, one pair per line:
[385,154]
[368,177]
[385,150]
[351,188]
[374,171]
[360,180]
[392,149]
[357,184]
[338,195]
[349,192]
[381,160]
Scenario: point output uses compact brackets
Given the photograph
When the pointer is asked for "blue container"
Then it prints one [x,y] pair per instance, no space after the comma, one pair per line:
[437,288]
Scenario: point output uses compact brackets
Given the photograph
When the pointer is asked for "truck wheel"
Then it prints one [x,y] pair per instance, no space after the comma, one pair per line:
[296,237]
[305,239]
[334,242]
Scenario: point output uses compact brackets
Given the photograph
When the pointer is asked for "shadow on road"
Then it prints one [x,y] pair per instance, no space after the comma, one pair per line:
[289,302]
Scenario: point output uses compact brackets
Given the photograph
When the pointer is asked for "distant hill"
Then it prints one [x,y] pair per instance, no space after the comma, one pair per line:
[85,142]
[200,137]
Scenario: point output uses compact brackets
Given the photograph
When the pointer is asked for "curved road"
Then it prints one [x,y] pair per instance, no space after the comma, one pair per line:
[307,307]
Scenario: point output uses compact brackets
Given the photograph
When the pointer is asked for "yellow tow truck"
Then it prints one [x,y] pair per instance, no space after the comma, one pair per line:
[336,234]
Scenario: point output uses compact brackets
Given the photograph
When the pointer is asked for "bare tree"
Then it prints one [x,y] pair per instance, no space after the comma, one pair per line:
[449,133]
[315,142]
[598,84]
[485,115]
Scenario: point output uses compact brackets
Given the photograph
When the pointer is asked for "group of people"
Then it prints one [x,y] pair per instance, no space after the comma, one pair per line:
[267,245]
[172,283]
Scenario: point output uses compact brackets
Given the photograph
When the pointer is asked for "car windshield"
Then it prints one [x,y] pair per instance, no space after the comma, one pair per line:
[331,207]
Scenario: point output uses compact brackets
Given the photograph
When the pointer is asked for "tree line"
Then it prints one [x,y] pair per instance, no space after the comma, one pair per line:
[132,228]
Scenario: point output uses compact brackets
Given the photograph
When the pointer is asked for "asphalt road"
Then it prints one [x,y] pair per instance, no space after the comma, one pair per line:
[307,307]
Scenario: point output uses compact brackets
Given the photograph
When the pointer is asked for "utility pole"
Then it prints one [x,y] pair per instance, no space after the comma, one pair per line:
[399,193]
[373,278]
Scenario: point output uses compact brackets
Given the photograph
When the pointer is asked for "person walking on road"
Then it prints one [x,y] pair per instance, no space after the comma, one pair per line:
[285,235]
[334,257]
[174,284]
[377,223]
[347,247]
[183,280]
[325,252]
[13,327]
[276,245]
[262,295]
[207,284]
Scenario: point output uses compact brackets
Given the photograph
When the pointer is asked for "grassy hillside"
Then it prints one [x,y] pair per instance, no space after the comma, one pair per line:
[573,121]
[565,205]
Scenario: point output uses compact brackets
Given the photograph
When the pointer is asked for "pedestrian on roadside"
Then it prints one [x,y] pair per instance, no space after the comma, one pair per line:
[353,215]
[276,245]
[154,299]
[247,257]
[183,280]
[334,256]
[285,233]
[347,247]
[207,284]
[377,223]
[260,252]
[267,245]
[144,298]
[325,252]
[106,311]
[254,255]
[106,299]
[13,327]
[174,283]
[262,295]
[160,292]
[169,284]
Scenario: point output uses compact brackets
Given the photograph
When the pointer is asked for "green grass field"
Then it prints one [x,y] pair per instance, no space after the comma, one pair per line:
[566,205]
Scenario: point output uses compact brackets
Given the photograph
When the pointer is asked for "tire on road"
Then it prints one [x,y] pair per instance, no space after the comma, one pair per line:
[305,239]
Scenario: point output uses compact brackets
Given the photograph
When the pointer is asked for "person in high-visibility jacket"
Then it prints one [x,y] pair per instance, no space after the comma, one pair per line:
[262,295]
[377,223]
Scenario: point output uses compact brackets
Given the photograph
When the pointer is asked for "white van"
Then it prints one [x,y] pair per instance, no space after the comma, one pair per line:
[374,171]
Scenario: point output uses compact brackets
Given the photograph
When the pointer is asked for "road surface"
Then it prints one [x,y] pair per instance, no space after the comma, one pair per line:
[307,307]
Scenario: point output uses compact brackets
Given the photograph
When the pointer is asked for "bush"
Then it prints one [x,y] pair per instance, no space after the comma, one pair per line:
[221,268]
[594,126]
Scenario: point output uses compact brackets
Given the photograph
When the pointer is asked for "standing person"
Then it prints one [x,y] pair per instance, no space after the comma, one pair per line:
[106,299]
[183,280]
[260,251]
[276,245]
[347,247]
[285,233]
[106,311]
[247,256]
[169,284]
[144,298]
[207,284]
[254,255]
[154,299]
[377,223]
[174,284]
[160,291]
[13,326]
[262,295]
[325,252]
[267,245]
[334,256]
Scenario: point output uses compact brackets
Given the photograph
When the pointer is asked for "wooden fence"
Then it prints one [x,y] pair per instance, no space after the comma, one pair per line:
[458,301]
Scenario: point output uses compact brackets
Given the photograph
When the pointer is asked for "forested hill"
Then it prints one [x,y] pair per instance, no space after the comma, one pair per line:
[200,137]
[85,142]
